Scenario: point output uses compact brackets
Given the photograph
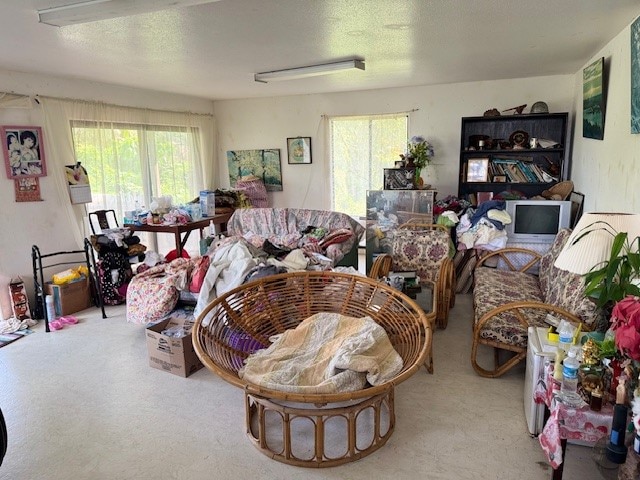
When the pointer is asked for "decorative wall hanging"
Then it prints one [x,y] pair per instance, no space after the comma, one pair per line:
[23,152]
[635,76]
[27,189]
[299,150]
[78,180]
[593,100]
[264,164]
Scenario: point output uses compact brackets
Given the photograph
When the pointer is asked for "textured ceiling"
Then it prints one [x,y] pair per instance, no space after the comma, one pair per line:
[213,50]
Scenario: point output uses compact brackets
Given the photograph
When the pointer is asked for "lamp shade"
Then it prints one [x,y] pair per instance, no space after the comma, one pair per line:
[595,247]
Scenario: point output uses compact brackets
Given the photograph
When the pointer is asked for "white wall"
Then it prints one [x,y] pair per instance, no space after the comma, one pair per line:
[608,171]
[42,223]
[267,122]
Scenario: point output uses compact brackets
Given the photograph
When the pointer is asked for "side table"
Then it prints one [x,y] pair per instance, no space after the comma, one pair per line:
[565,422]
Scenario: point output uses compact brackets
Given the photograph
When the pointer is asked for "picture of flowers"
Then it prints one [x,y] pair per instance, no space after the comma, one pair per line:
[264,164]
[593,100]
[23,152]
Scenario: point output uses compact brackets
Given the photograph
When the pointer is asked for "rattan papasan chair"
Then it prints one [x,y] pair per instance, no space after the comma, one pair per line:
[311,430]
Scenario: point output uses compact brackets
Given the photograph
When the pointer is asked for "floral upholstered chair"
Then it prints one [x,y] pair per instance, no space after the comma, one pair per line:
[424,249]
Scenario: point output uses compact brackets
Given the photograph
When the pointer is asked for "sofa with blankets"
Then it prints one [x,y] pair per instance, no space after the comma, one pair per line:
[258,242]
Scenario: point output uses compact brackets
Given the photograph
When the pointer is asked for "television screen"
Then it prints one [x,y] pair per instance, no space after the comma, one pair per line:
[537,219]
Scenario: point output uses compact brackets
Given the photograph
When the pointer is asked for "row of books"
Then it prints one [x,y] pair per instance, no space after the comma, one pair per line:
[515,171]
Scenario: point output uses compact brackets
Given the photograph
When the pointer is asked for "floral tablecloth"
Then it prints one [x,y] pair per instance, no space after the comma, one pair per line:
[565,422]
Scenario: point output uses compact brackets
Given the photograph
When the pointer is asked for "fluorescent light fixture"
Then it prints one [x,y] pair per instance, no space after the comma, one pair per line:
[310,71]
[94,10]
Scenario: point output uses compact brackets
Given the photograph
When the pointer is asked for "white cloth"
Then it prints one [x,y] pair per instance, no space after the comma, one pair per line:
[228,268]
[12,324]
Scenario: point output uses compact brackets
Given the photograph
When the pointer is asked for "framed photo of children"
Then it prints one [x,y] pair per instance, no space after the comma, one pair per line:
[23,152]
[299,149]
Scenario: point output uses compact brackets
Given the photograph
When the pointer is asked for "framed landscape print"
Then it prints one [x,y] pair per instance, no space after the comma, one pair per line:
[635,76]
[299,150]
[264,164]
[23,152]
[478,170]
[593,100]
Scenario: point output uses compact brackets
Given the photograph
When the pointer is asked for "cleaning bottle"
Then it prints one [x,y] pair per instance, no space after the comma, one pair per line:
[51,310]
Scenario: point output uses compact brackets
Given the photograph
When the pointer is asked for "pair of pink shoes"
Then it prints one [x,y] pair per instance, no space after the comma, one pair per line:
[60,322]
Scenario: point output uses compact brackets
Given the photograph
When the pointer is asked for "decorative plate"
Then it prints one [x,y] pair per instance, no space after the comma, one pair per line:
[519,138]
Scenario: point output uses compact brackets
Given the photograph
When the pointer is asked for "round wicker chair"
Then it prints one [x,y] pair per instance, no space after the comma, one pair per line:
[311,430]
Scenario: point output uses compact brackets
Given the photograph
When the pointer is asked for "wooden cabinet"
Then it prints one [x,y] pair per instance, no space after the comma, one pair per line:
[524,153]
[387,209]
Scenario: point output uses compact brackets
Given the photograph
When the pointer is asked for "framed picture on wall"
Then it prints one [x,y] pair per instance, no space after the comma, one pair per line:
[593,100]
[23,152]
[299,150]
[635,76]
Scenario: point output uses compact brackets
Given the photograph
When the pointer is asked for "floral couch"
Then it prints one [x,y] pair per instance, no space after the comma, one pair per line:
[508,298]
[332,235]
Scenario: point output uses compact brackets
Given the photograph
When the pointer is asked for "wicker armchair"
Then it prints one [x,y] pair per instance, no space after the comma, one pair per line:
[424,248]
[244,319]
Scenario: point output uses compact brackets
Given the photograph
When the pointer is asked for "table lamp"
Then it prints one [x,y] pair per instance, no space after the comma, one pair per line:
[592,238]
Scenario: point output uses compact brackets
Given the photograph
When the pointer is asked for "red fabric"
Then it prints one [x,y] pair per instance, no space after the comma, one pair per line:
[172,255]
[199,272]
[336,236]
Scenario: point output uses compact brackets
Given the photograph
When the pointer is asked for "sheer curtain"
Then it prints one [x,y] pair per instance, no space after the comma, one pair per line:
[131,154]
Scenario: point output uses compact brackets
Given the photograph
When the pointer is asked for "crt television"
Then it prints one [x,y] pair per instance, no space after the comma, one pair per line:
[536,221]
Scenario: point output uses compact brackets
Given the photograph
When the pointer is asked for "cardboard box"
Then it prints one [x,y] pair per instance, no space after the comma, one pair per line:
[171,354]
[70,297]
[208,203]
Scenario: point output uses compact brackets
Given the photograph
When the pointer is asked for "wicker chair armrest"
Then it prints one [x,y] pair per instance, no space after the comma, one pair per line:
[515,308]
[504,254]
[381,266]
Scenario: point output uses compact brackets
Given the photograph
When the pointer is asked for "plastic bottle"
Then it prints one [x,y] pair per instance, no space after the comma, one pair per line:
[569,389]
[212,229]
[565,337]
[51,309]
[136,208]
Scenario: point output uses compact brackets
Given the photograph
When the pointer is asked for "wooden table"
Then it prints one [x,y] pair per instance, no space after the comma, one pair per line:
[220,221]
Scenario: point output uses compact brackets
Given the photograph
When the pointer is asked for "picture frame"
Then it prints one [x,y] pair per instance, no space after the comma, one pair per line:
[499,178]
[635,76]
[478,170]
[577,205]
[264,164]
[593,100]
[299,150]
[399,178]
[23,152]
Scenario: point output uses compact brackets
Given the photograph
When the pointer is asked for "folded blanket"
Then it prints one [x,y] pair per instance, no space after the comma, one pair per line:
[326,353]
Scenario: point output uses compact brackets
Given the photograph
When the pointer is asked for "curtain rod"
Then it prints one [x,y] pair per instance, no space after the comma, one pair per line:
[404,112]
[105,104]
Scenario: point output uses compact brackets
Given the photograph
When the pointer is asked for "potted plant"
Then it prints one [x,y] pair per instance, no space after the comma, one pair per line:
[617,277]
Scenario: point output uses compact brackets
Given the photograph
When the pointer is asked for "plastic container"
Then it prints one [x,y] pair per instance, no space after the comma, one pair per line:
[569,388]
[51,309]
[565,336]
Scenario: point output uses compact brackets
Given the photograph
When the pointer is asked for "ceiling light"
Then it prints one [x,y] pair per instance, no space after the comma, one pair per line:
[310,71]
[94,10]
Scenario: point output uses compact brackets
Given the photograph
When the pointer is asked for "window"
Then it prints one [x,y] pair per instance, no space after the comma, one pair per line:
[360,148]
[129,164]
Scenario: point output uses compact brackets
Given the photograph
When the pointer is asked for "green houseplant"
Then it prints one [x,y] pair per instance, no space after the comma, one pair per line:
[613,279]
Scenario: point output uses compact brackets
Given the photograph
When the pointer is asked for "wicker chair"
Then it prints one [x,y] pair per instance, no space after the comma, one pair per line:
[424,248]
[242,321]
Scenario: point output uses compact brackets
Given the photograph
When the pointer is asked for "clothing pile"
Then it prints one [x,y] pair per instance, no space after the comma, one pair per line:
[115,248]
[483,228]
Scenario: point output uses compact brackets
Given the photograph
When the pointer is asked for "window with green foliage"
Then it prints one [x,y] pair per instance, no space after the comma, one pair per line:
[360,148]
[135,163]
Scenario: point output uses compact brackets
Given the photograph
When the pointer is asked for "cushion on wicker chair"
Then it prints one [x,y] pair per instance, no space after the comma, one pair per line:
[498,287]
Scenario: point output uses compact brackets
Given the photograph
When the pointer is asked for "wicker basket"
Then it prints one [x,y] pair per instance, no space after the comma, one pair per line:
[242,320]
[560,191]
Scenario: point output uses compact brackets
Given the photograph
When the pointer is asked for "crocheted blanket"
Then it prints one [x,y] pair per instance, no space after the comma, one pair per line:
[326,353]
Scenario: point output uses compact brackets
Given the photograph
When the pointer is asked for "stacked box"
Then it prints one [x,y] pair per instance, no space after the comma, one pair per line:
[172,354]
[208,203]
[70,297]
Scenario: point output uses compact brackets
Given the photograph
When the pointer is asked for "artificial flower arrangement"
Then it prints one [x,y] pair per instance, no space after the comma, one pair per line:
[625,322]
[420,150]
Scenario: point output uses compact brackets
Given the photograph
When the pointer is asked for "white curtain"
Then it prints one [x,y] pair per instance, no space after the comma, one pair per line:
[60,113]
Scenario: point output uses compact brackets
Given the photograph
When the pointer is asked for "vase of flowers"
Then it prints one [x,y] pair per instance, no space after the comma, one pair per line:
[419,153]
